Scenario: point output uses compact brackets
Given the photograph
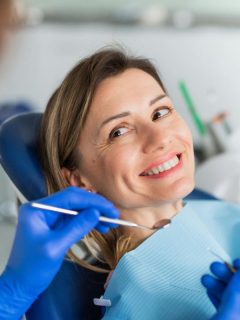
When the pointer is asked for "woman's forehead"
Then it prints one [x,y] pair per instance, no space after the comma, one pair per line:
[123,90]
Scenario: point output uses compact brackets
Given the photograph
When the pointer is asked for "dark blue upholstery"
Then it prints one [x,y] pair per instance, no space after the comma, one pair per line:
[9,109]
[71,292]
[19,154]
[198,194]
[70,295]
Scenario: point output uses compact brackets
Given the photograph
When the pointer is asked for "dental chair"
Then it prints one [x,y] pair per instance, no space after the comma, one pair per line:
[71,293]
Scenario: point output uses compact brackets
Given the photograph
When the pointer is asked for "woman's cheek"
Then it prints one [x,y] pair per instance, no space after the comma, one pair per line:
[184,131]
[123,160]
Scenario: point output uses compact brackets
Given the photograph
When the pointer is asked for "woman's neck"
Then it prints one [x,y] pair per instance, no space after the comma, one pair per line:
[148,216]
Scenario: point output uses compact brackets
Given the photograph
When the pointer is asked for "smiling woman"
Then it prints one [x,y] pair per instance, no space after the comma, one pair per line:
[126,139]
[112,129]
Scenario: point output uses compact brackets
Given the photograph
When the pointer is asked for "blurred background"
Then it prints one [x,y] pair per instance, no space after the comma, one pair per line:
[195,45]
[197,42]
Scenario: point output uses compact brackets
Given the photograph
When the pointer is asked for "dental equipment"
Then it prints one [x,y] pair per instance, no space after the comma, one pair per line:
[230,267]
[192,108]
[162,224]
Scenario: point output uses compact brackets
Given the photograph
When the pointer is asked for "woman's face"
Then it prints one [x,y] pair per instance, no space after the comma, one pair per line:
[133,132]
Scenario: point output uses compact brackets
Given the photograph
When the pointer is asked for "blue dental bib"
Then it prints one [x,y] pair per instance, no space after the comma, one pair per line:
[160,279]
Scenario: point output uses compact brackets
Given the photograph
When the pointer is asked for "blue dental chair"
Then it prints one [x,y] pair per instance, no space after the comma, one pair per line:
[70,295]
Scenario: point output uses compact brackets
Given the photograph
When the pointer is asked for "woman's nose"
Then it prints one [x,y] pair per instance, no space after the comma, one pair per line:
[154,138]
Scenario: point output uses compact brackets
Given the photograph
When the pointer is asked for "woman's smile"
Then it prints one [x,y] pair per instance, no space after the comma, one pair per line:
[160,169]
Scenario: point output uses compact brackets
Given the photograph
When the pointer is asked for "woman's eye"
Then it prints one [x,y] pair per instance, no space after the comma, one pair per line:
[118,132]
[161,113]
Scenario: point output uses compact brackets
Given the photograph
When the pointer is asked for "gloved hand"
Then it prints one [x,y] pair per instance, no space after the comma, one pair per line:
[224,290]
[41,242]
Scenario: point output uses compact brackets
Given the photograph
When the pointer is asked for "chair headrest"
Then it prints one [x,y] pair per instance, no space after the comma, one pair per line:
[19,154]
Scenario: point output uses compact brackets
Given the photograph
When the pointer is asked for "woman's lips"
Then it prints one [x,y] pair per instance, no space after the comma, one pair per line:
[166,172]
[168,157]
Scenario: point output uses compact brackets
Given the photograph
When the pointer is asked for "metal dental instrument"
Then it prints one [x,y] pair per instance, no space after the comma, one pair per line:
[159,225]
[230,267]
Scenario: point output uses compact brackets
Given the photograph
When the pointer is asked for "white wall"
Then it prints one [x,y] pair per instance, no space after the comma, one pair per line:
[208,59]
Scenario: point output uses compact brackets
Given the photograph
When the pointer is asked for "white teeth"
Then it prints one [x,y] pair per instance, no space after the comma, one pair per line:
[155,170]
[163,167]
[172,162]
[167,165]
[176,160]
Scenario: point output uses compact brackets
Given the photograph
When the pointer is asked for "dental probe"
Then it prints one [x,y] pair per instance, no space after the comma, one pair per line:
[161,224]
[230,267]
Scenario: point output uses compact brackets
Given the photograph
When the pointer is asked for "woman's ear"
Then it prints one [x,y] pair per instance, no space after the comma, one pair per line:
[74,178]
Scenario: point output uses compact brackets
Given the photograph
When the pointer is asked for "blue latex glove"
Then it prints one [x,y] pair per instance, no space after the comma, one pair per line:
[41,242]
[224,290]
[216,284]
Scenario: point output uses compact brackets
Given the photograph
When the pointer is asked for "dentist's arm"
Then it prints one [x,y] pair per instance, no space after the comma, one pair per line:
[41,242]
[224,290]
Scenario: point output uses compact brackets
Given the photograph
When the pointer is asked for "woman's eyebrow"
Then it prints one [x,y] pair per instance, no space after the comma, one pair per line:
[127,113]
[161,96]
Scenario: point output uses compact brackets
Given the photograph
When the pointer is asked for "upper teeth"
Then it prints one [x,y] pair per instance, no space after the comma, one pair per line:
[163,167]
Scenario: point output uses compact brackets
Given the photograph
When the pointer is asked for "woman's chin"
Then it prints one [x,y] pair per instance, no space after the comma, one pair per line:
[182,189]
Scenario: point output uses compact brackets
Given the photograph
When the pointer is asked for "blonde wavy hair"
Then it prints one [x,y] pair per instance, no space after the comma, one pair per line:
[62,123]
